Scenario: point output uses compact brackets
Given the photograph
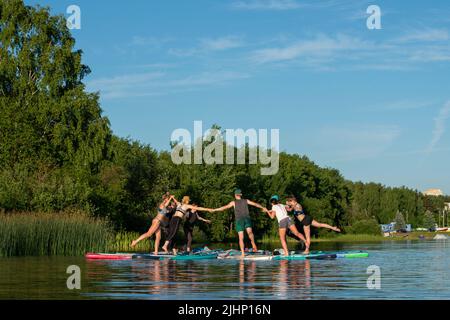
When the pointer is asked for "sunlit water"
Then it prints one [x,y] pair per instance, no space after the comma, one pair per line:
[409,270]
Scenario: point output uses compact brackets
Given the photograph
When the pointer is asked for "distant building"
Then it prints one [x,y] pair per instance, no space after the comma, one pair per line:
[390,227]
[433,192]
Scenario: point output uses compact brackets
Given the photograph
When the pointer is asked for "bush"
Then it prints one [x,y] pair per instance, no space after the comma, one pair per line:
[370,227]
[63,233]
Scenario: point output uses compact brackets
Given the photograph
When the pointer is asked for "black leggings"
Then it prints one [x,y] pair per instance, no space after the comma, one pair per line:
[188,231]
[173,229]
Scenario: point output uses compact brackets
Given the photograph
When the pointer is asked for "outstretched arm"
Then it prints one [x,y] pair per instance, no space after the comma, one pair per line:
[272,214]
[228,206]
[165,203]
[198,208]
[172,197]
[203,219]
[256,205]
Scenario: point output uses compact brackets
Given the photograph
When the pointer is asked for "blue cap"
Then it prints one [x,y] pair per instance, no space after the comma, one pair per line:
[237,191]
[275,197]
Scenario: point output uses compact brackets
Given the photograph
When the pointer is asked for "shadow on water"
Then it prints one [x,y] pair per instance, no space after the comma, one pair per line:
[409,270]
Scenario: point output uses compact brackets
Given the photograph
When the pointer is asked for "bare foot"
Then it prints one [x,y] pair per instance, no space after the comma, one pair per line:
[255,248]
[306,251]
[156,253]
[165,249]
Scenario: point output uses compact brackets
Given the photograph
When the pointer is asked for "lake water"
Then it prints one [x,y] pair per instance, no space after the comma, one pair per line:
[409,270]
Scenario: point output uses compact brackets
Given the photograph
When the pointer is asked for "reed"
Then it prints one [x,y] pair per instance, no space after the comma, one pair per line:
[71,233]
[121,242]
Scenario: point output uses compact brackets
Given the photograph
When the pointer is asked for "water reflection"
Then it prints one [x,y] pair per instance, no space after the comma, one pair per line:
[410,270]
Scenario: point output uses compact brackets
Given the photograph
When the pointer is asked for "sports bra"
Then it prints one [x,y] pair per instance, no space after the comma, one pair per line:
[183,211]
[298,212]
[163,212]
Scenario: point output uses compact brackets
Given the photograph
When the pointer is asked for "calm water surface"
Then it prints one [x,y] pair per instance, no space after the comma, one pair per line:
[409,270]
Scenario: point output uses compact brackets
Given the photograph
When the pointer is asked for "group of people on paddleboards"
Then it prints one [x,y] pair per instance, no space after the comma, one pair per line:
[172,213]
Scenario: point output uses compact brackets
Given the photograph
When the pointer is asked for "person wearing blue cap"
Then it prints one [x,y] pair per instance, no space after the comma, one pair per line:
[242,218]
[279,211]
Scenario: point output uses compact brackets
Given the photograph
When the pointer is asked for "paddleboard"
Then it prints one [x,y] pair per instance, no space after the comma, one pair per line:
[319,256]
[251,257]
[352,255]
[151,256]
[339,254]
[202,256]
[109,256]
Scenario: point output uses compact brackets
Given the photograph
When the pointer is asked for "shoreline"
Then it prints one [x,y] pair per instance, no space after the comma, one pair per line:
[356,238]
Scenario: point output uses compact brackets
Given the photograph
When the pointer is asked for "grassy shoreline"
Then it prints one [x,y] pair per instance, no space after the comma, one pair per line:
[75,233]
[365,237]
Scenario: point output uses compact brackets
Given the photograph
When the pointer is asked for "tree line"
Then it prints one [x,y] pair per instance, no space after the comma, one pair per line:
[57,151]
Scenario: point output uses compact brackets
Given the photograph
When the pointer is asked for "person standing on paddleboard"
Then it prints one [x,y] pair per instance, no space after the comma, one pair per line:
[306,220]
[192,218]
[243,220]
[161,219]
[279,211]
[180,215]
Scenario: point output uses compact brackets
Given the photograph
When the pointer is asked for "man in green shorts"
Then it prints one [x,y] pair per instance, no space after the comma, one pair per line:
[243,220]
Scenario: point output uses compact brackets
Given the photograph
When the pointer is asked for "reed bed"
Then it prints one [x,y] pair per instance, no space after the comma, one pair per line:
[122,240]
[63,233]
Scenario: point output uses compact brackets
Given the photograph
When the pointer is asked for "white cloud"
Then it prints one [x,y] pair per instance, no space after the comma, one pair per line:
[430,54]
[155,83]
[439,126]
[425,35]
[266,5]
[221,43]
[207,45]
[403,105]
[321,46]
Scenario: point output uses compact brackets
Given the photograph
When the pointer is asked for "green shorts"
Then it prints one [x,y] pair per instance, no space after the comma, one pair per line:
[243,223]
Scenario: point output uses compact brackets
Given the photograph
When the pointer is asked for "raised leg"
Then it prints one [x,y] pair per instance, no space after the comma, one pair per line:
[324,225]
[296,233]
[153,228]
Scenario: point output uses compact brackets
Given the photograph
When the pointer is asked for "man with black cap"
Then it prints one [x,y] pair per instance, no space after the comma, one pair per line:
[243,220]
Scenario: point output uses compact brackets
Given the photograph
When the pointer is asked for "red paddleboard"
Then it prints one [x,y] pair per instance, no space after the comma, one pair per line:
[109,256]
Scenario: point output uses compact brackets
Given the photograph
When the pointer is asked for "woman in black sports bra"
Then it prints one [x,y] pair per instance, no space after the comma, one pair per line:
[306,220]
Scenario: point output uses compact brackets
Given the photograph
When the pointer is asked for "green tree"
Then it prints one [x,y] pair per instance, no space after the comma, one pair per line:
[400,223]
[50,127]
[429,221]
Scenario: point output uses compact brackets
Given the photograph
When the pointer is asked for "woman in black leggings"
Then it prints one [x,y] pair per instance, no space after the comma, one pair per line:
[188,227]
[178,217]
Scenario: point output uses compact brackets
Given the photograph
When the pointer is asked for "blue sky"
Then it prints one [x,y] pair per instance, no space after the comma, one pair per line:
[374,104]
